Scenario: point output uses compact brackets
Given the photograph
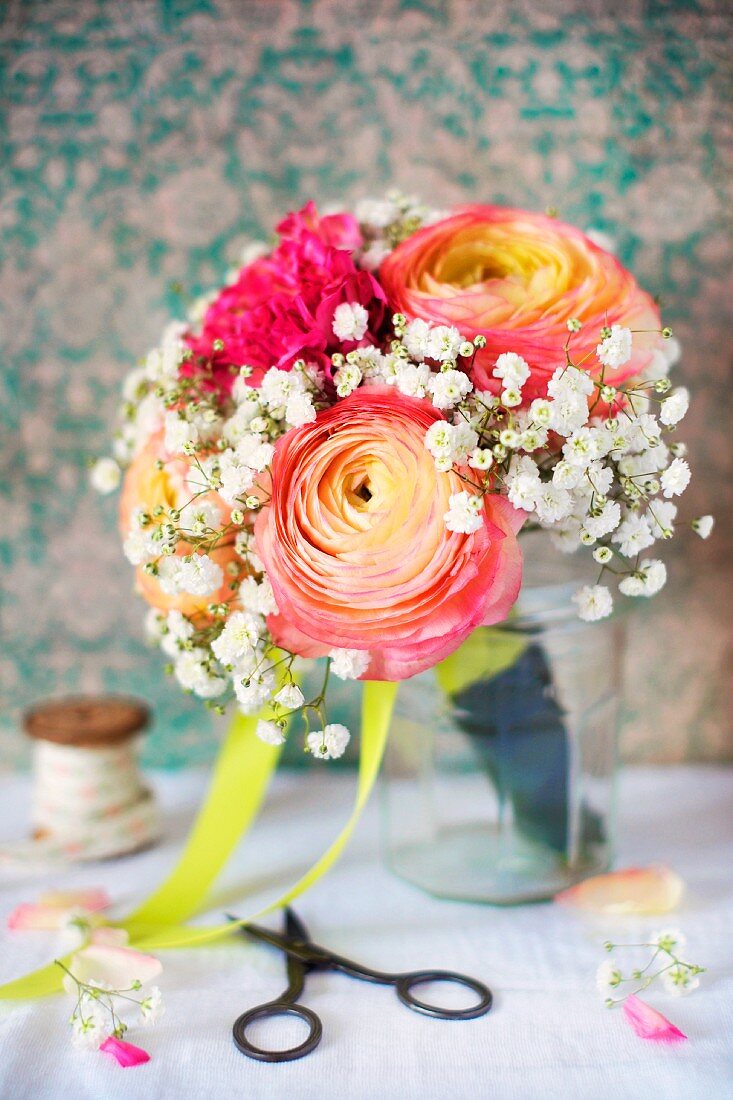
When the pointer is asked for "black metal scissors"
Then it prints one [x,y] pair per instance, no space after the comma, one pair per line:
[305,956]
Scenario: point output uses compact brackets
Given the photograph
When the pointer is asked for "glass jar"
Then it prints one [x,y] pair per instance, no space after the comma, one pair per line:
[499,777]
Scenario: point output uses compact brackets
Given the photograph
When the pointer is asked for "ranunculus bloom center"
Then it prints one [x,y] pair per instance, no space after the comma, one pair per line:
[359,498]
[528,271]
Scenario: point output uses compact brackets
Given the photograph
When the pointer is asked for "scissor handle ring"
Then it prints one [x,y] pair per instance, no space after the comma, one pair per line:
[266,1012]
[407,982]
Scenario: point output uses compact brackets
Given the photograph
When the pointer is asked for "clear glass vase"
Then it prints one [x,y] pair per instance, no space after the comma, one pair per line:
[499,779]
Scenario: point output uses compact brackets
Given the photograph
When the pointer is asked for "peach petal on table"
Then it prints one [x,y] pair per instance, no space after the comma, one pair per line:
[109,936]
[650,1024]
[118,967]
[28,917]
[635,890]
[126,1053]
[92,900]
[52,909]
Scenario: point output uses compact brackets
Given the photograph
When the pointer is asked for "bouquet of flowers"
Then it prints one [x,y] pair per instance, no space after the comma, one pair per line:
[334,455]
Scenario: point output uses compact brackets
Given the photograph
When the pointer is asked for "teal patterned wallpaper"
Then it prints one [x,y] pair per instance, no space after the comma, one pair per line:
[142,141]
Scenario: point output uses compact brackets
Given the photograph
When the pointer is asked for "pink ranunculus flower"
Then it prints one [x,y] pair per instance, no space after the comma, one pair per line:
[281,306]
[517,278]
[356,547]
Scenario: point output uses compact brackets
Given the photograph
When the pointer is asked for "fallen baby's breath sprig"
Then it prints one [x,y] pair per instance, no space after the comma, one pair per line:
[664,963]
[96,1014]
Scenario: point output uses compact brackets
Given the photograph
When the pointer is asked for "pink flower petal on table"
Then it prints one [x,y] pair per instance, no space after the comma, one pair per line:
[92,900]
[52,909]
[28,917]
[125,1053]
[650,1024]
[633,890]
[117,966]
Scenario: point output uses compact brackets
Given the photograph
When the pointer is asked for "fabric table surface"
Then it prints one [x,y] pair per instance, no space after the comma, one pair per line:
[548,1035]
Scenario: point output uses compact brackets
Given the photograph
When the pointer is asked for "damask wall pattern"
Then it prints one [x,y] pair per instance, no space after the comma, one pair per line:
[144,140]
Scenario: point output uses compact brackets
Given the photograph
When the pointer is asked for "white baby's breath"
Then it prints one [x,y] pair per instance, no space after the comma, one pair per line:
[675,478]
[290,696]
[105,475]
[608,977]
[675,407]
[329,743]
[269,732]
[512,369]
[615,349]
[350,321]
[152,1006]
[703,526]
[448,387]
[594,602]
[647,580]
[199,575]
[349,664]
[240,636]
[465,513]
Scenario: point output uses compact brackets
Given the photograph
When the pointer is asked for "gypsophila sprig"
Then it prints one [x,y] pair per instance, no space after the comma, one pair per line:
[98,1012]
[664,964]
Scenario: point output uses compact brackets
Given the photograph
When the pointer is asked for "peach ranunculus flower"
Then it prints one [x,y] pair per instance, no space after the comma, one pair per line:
[154,478]
[356,548]
[517,278]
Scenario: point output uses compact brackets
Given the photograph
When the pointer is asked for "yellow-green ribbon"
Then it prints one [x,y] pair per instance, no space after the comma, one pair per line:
[241,775]
[238,786]
[485,653]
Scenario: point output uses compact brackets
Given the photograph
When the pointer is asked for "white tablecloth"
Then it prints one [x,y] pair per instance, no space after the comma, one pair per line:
[547,1036]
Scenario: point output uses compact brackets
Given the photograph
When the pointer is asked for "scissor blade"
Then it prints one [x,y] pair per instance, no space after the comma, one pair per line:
[298,960]
[294,926]
[296,968]
[257,932]
[278,939]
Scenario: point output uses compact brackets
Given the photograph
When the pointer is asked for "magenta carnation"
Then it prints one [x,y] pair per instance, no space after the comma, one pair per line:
[338,230]
[281,307]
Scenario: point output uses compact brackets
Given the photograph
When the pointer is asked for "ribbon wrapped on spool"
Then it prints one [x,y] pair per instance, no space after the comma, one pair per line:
[89,800]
